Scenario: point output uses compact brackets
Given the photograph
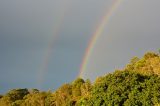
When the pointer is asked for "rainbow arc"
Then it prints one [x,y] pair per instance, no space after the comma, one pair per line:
[105,19]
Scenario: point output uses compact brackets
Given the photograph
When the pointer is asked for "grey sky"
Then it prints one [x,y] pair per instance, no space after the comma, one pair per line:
[132,30]
[26,28]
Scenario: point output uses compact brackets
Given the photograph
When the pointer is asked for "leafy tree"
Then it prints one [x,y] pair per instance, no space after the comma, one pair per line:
[138,84]
[1,96]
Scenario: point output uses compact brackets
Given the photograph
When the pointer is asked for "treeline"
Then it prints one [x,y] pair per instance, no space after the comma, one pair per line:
[66,95]
[138,84]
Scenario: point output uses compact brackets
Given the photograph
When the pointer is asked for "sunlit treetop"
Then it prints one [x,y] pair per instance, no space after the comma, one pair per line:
[148,64]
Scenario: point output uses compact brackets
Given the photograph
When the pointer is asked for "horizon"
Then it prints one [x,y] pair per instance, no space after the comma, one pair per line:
[43,43]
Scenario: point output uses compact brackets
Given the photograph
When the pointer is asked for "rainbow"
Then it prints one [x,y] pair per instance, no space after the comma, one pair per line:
[44,66]
[105,19]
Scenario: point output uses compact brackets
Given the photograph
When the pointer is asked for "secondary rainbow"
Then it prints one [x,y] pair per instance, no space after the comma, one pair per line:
[44,66]
[105,19]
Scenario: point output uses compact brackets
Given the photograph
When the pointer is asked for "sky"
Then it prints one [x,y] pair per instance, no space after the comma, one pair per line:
[42,43]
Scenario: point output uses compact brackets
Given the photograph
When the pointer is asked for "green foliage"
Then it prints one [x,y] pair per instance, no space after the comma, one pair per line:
[138,84]
[17,94]
[149,64]
[1,96]
[125,88]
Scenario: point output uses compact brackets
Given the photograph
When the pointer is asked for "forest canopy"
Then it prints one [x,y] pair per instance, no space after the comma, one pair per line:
[138,84]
